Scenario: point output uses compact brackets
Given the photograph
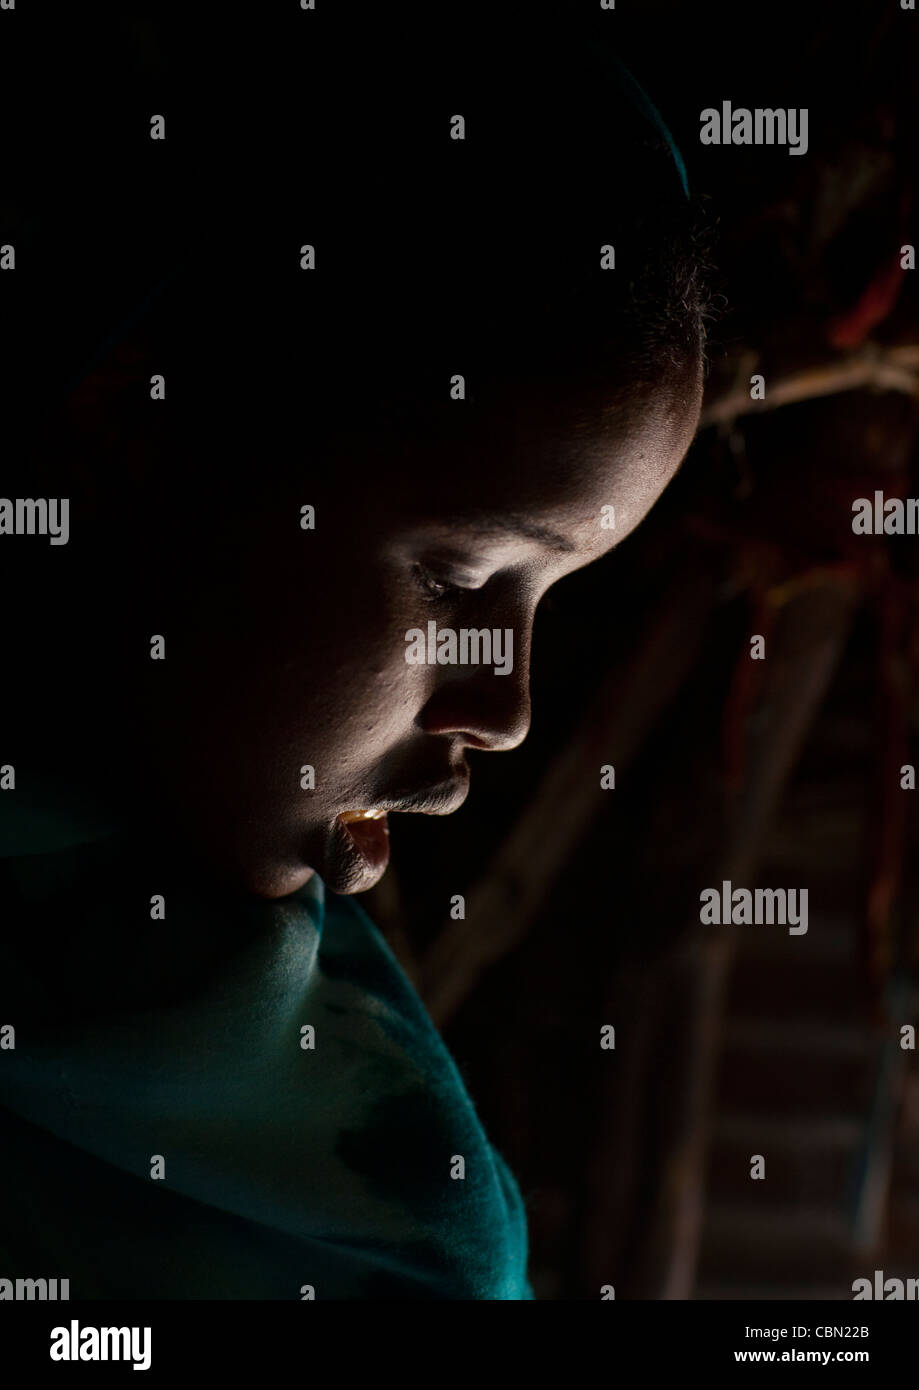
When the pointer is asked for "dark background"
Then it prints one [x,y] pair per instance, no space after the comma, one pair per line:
[582,905]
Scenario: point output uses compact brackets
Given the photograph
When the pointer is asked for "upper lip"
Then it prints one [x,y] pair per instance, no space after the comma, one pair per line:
[440,800]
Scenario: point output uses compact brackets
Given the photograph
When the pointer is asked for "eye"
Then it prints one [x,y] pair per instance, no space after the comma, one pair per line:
[437,590]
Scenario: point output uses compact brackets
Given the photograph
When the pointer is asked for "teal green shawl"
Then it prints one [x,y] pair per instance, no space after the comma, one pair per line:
[355,1168]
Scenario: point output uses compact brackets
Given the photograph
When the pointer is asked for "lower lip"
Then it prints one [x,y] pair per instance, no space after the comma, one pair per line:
[371,840]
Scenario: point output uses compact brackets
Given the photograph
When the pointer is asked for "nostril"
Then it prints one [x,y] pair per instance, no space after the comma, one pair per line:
[473,741]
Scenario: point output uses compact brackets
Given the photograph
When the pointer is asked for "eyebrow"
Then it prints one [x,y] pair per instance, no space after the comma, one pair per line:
[515,525]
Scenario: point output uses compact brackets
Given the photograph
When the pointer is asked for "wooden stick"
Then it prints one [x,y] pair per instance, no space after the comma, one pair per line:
[807,649]
[881,369]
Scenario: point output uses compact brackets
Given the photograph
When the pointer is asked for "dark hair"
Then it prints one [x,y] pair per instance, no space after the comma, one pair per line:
[434,256]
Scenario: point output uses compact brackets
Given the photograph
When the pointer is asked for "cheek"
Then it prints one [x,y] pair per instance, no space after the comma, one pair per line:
[296,657]
[312,673]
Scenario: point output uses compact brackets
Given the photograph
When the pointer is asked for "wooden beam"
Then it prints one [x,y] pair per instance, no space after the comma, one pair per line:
[878,369]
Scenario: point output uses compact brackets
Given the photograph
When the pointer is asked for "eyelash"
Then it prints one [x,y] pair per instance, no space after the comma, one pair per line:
[435,590]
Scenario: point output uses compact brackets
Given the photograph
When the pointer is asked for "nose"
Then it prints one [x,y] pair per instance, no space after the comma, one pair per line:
[479,706]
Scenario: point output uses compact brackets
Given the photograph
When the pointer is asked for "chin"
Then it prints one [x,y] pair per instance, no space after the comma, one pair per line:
[276,882]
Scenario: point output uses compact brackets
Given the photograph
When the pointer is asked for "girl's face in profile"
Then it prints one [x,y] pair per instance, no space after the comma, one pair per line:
[288,702]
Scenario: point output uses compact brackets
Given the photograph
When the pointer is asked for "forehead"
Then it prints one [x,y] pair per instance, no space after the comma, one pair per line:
[544,461]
